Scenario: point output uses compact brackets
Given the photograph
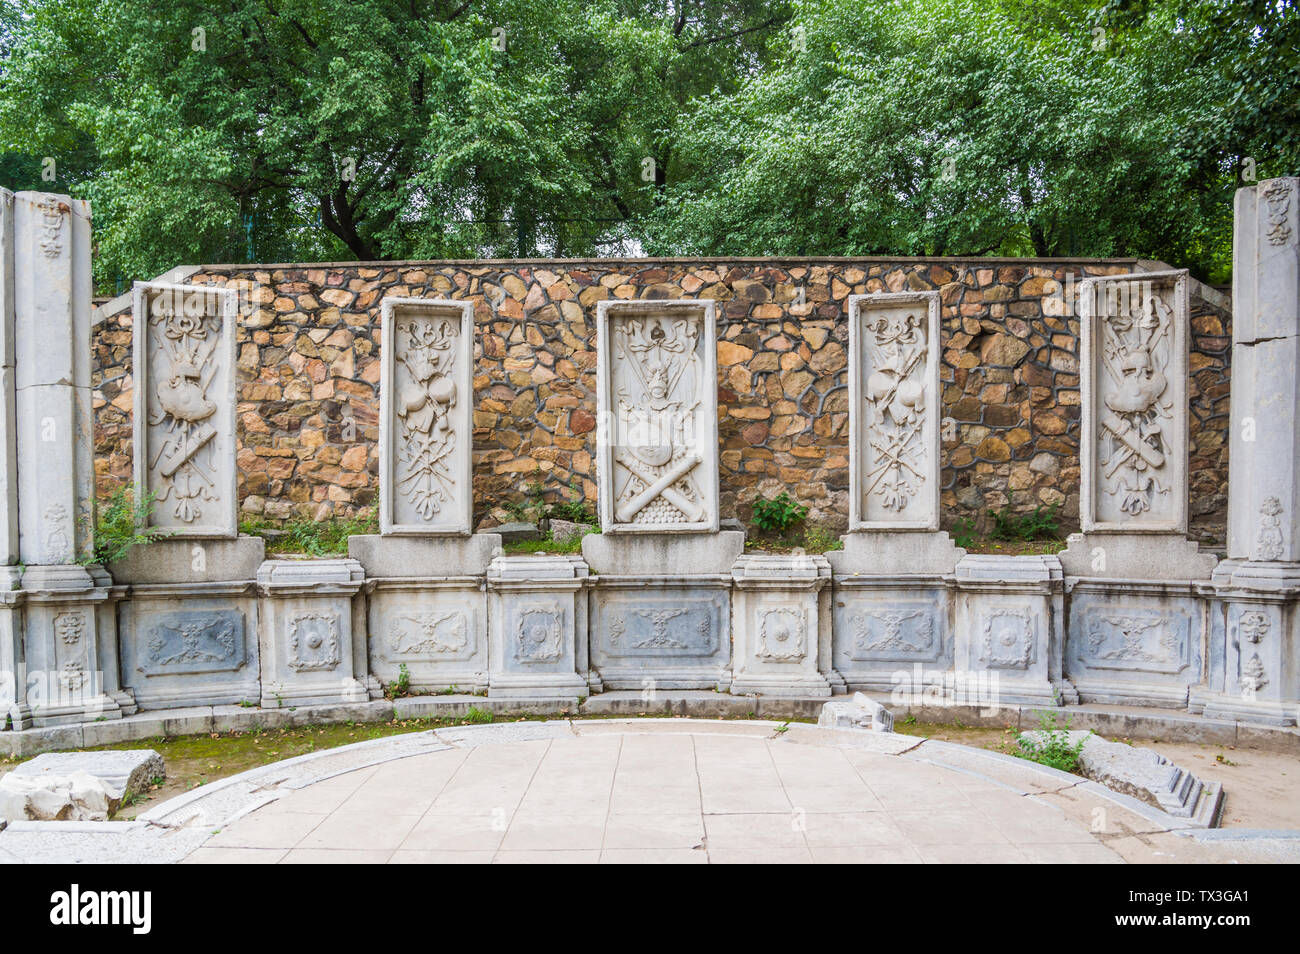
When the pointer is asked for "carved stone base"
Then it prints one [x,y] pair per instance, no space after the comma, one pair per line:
[66,679]
[895,553]
[1136,556]
[190,644]
[308,618]
[781,625]
[1010,625]
[536,606]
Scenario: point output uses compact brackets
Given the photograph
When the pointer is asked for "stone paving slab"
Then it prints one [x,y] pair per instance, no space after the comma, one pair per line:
[673,791]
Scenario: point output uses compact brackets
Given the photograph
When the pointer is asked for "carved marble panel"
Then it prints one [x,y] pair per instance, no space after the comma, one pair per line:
[1133,639]
[184,421]
[1134,343]
[313,641]
[661,627]
[426,403]
[1007,637]
[894,411]
[196,641]
[782,634]
[657,430]
[896,631]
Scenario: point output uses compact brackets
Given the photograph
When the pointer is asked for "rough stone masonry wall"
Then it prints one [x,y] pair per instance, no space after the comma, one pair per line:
[309,379]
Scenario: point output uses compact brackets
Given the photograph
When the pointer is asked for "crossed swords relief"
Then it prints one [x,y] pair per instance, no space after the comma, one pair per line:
[1139,383]
[894,446]
[188,346]
[658,360]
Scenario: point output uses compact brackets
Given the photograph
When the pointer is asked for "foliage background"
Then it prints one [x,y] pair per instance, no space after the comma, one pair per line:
[207,132]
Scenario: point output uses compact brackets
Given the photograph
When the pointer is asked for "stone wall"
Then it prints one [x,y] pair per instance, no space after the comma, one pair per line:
[309,377]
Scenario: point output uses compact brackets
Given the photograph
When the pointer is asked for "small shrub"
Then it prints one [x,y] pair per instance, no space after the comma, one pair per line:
[571,510]
[477,716]
[778,515]
[963,533]
[122,523]
[1056,751]
[1039,525]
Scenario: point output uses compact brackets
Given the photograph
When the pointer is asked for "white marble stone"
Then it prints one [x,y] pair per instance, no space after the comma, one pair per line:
[780,626]
[8,397]
[425,429]
[657,416]
[309,626]
[1264,474]
[860,712]
[536,607]
[74,796]
[1010,627]
[894,410]
[51,301]
[1133,357]
[183,422]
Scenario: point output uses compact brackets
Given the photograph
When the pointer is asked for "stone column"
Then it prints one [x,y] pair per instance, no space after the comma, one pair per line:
[66,681]
[660,610]
[14,712]
[1255,617]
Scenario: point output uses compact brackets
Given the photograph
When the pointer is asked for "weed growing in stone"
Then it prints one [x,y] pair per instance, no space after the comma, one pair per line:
[1056,750]
[122,523]
[778,515]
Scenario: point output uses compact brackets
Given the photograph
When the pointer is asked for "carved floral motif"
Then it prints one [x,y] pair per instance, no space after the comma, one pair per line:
[1268,542]
[889,636]
[539,633]
[313,642]
[433,632]
[895,403]
[426,395]
[782,634]
[1007,638]
[52,213]
[1277,198]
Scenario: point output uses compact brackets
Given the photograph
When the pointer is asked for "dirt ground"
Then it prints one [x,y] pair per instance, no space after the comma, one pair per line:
[1261,788]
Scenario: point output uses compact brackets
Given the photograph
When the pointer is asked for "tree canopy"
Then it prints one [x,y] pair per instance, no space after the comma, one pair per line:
[278,130]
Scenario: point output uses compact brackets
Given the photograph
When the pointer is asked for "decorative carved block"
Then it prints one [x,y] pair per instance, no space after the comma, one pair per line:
[199,641]
[893,633]
[313,641]
[1140,640]
[426,401]
[658,428]
[1007,637]
[427,635]
[783,635]
[184,423]
[1134,363]
[894,411]
[539,631]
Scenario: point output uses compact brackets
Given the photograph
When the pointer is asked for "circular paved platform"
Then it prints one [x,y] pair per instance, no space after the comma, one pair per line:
[678,792]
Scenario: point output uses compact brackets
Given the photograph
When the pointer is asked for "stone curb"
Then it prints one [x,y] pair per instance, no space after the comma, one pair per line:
[1156,724]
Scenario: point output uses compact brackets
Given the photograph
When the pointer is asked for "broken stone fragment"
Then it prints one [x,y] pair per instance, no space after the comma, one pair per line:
[860,712]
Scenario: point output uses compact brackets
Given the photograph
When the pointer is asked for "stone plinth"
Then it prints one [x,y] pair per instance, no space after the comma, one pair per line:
[661,609]
[8,398]
[1010,627]
[184,424]
[308,633]
[427,608]
[1254,636]
[66,677]
[1134,642]
[657,416]
[781,626]
[189,627]
[425,429]
[536,608]
[894,411]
